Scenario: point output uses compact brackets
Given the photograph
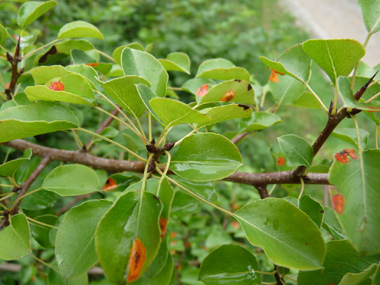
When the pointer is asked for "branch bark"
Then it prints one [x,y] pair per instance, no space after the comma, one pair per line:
[113,165]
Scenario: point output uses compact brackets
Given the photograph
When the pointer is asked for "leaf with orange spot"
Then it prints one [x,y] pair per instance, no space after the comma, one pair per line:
[341,157]
[228,96]
[136,260]
[338,203]
[235,224]
[351,153]
[280,161]
[274,77]
[202,91]
[163,226]
[56,86]
[110,184]
[93,64]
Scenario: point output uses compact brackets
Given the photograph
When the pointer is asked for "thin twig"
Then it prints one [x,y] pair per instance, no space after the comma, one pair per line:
[24,188]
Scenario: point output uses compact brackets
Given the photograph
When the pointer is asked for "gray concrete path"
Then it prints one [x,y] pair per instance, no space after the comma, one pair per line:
[329,19]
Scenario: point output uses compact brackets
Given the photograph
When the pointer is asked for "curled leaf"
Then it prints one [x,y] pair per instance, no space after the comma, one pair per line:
[136,260]
[338,203]
[202,91]
[228,96]
[110,184]
[57,86]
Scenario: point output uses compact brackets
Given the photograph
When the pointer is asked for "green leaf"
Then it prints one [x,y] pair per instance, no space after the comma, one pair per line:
[348,98]
[259,121]
[54,278]
[203,189]
[68,45]
[3,35]
[108,132]
[176,61]
[87,72]
[226,112]
[123,91]
[371,14]
[285,64]
[79,29]
[192,85]
[77,91]
[341,258]
[297,150]
[359,278]
[229,264]
[72,180]
[43,74]
[242,92]
[41,232]
[32,10]
[35,119]
[9,168]
[312,208]
[117,52]
[139,63]
[331,224]
[336,57]
[361,213]
[205,157]
[15,239]
[173,112]
[131,218]
[222,69]
[146,94]
[286,234]
[163,277]
[287,90]
[349,135]
[75,243]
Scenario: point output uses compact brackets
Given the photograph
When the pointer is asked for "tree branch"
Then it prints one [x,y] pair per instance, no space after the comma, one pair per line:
[113,165]
[14,60]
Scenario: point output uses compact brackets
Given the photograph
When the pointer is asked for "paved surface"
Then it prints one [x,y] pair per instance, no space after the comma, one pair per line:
[327,19]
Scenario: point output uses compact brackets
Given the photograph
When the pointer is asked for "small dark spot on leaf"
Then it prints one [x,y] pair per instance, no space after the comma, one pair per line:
[322,211]
[155,197]
[245,107]
[237,80]
[305,243]
[249,87]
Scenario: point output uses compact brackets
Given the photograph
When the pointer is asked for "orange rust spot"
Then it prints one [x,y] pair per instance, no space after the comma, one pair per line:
[235,207]
[173,242]
[202,91]
[93,64]
[163,226]
[235,224]
[338,203]
[57,86]
[280,161]
[228,96]
[343,155]
[136,260]
[188,244]
[274,77]
[110,184]
[7,85]
[173,234]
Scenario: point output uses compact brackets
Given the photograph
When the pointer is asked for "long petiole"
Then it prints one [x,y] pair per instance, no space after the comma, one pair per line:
[104,54]
[43,262]
[189,134]
[316,97]
[150,126]
[7,196]
[163,176]
[40,224]
[360,150]
[40,48]
[112,142]
[141,135]
[357,64]
[301,192]
[29,193]
[373,98]
[377,136]
[195,195]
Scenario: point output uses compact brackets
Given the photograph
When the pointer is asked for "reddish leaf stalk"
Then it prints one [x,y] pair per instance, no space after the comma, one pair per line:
[24,188]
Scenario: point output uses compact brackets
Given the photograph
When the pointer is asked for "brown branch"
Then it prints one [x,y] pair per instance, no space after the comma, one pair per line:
[239,137]
[104,125]
[113,165]
[72,203]
[24,188]
[279,280]
[14,60]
